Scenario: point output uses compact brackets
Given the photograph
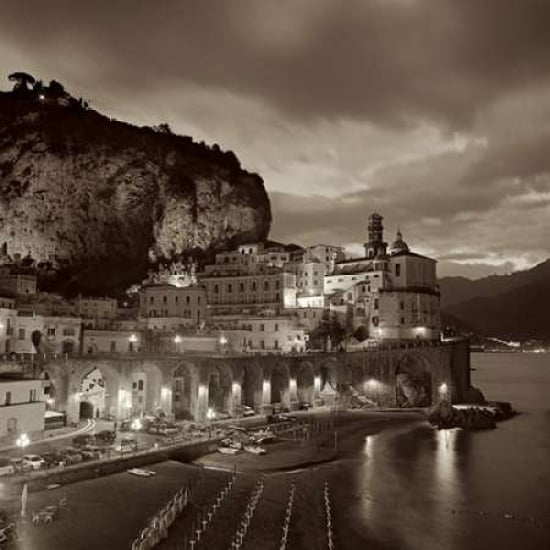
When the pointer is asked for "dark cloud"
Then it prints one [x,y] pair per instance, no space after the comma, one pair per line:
[387,61]
[433,112]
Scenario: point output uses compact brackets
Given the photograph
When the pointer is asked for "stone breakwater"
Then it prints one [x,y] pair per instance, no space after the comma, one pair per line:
[470,417]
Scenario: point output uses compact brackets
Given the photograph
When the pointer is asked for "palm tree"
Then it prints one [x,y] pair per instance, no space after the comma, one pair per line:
[23,81]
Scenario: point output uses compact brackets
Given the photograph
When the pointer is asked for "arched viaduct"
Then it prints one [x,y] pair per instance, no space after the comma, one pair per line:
[186,386]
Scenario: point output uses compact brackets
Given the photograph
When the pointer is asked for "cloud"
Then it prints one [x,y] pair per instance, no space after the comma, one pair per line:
[436,114]
[389,62]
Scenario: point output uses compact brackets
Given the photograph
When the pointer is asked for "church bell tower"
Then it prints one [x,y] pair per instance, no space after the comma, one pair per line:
[375,247]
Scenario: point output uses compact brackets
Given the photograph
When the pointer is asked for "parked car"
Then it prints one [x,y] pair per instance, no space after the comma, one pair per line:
[83,440]
[72,456]
[304,406]
[34,461]
[105,437]
[6,467]
[53,459]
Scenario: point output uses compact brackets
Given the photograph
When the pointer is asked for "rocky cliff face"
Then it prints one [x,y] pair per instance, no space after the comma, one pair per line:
[100,198]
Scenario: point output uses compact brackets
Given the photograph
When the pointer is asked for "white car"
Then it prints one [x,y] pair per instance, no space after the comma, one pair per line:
[248,411]
[33,461]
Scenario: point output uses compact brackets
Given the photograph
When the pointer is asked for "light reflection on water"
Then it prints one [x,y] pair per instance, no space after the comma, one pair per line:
[417,488]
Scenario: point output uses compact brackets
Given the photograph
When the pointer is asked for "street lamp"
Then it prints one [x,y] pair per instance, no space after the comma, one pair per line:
[223,342]
[177,341]
[22,442]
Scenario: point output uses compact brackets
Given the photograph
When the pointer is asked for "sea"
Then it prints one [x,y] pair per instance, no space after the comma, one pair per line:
[416,488]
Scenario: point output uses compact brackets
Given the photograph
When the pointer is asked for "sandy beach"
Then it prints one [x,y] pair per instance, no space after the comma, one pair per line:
[115,508]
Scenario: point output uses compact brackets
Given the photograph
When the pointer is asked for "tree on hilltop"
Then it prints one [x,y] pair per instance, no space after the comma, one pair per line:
[23,81]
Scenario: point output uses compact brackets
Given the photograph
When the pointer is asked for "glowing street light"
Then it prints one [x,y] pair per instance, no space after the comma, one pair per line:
[210,414]
[136,424]
[177,339]
[22,442]
[132,338]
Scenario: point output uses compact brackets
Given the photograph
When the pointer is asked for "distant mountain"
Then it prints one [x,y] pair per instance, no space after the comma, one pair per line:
[512,306]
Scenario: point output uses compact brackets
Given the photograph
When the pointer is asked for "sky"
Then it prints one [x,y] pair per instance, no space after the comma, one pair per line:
[435,113]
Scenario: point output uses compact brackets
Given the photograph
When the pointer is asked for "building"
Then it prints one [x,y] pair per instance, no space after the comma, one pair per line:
[257,288]
[20,284]
[111,341]
[392,293]
[97,309]
[266,334]
[22,406]
[44,333]
[166,306]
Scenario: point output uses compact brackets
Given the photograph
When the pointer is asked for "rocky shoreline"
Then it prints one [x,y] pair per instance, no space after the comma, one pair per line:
[480,416]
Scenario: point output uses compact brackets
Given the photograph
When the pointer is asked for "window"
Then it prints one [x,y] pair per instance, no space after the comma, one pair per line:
[32,396]
[262,327]
[276,327]
[152,300]
[216,289]
[198,299]
[8,398]
[276,296]
[51,332]
[253,285]
[113,346]
[402,305]
[262,344]
[69,331]
[375,321]
[21,334]
[241,287]
[176,299]
[276,343]
[402,320]
[266,285]
[188,300]
[164,299]
[376,303]
[140,385]
[397,270]
[229,287]
[277,284]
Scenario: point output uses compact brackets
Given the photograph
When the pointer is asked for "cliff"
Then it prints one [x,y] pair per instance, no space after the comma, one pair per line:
[100,199]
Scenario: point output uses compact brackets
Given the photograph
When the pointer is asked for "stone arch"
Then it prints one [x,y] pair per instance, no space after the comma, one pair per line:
[56,387]
[358,378]
[252,385]
[305,382]
[220,381]
[184,391]
[278,384]
[413,381]
[146,382]
[99,384]
[328,371]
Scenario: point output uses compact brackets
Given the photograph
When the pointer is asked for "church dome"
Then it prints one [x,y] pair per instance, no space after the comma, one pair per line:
[399,245]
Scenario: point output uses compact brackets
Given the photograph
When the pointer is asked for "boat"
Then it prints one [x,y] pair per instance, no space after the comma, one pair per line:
[228,450]
[140,472]
[255,450]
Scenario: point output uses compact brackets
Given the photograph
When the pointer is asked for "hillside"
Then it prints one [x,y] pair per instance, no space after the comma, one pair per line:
[512,306]
[100,199]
